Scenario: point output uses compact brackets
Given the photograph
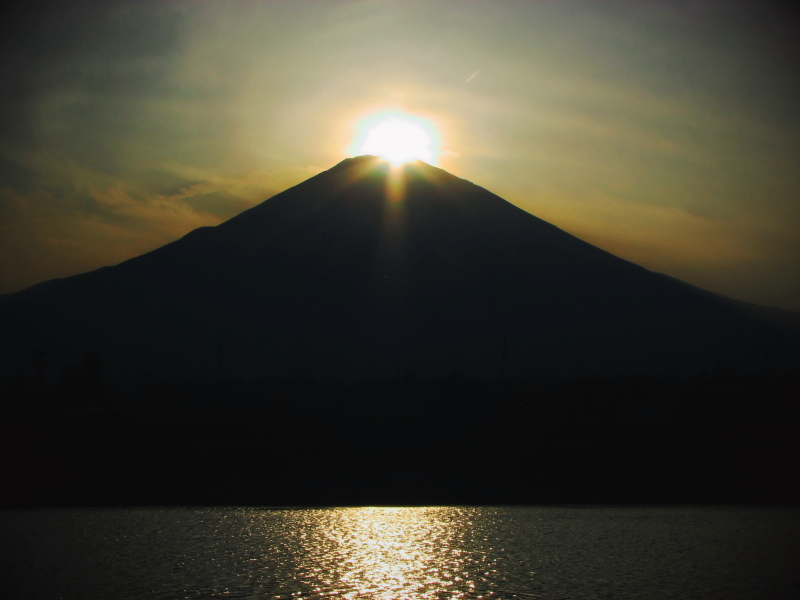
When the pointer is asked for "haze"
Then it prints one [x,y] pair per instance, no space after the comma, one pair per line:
[665,133]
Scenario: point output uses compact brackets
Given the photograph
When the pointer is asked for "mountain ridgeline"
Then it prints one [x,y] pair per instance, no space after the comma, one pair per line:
[363,272]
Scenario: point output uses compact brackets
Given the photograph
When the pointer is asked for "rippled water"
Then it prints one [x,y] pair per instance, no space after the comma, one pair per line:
[403,553]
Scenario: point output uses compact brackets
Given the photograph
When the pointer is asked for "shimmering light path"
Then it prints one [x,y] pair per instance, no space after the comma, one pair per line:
[389,553]
[651,553]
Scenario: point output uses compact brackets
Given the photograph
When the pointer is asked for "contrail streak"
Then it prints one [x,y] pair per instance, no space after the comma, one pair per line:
[473,75]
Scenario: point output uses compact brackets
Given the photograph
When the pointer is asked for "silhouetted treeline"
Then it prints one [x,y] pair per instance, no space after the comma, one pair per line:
[712,437]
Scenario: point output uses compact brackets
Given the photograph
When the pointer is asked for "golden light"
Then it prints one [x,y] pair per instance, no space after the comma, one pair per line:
[390,554]
[397,137]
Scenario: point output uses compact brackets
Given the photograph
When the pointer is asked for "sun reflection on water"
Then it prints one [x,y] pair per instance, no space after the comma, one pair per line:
[391,553]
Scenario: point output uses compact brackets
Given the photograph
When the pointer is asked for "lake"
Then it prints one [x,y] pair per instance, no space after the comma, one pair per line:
[402,553]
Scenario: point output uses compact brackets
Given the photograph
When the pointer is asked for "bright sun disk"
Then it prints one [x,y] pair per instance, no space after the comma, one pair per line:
[397,139]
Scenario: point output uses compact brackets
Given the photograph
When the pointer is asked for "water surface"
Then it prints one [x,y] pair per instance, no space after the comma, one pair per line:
[399,553]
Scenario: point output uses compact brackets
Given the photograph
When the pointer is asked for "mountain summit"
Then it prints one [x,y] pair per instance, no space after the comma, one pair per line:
[365,271]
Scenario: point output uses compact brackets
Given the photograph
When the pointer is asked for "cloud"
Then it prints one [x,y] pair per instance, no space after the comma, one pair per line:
[78,219]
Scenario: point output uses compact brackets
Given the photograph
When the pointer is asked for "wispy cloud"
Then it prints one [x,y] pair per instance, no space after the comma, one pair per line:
[77,219]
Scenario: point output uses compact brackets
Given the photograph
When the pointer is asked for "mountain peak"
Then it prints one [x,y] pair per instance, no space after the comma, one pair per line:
[345,275]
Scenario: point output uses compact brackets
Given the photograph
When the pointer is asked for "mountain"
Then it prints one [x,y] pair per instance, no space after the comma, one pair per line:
[363,271]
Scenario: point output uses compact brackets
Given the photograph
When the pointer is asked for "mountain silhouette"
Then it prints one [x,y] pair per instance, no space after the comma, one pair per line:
[366,271]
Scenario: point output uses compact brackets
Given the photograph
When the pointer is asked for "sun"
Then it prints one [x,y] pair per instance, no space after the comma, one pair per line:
[397,138]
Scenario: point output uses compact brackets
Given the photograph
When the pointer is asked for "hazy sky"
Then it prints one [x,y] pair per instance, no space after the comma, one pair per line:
[665,132]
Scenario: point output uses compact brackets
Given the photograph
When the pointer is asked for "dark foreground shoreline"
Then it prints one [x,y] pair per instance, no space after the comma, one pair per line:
[710,439]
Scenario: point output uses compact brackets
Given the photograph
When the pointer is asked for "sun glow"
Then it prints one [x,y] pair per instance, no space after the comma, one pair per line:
[397,138]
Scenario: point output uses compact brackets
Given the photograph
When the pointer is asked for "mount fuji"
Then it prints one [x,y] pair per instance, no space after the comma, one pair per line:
[365,270]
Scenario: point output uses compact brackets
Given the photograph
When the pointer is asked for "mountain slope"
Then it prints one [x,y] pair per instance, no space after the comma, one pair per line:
[338,277]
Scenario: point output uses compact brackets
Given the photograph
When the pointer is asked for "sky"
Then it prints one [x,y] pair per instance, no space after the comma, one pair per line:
[667,133]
